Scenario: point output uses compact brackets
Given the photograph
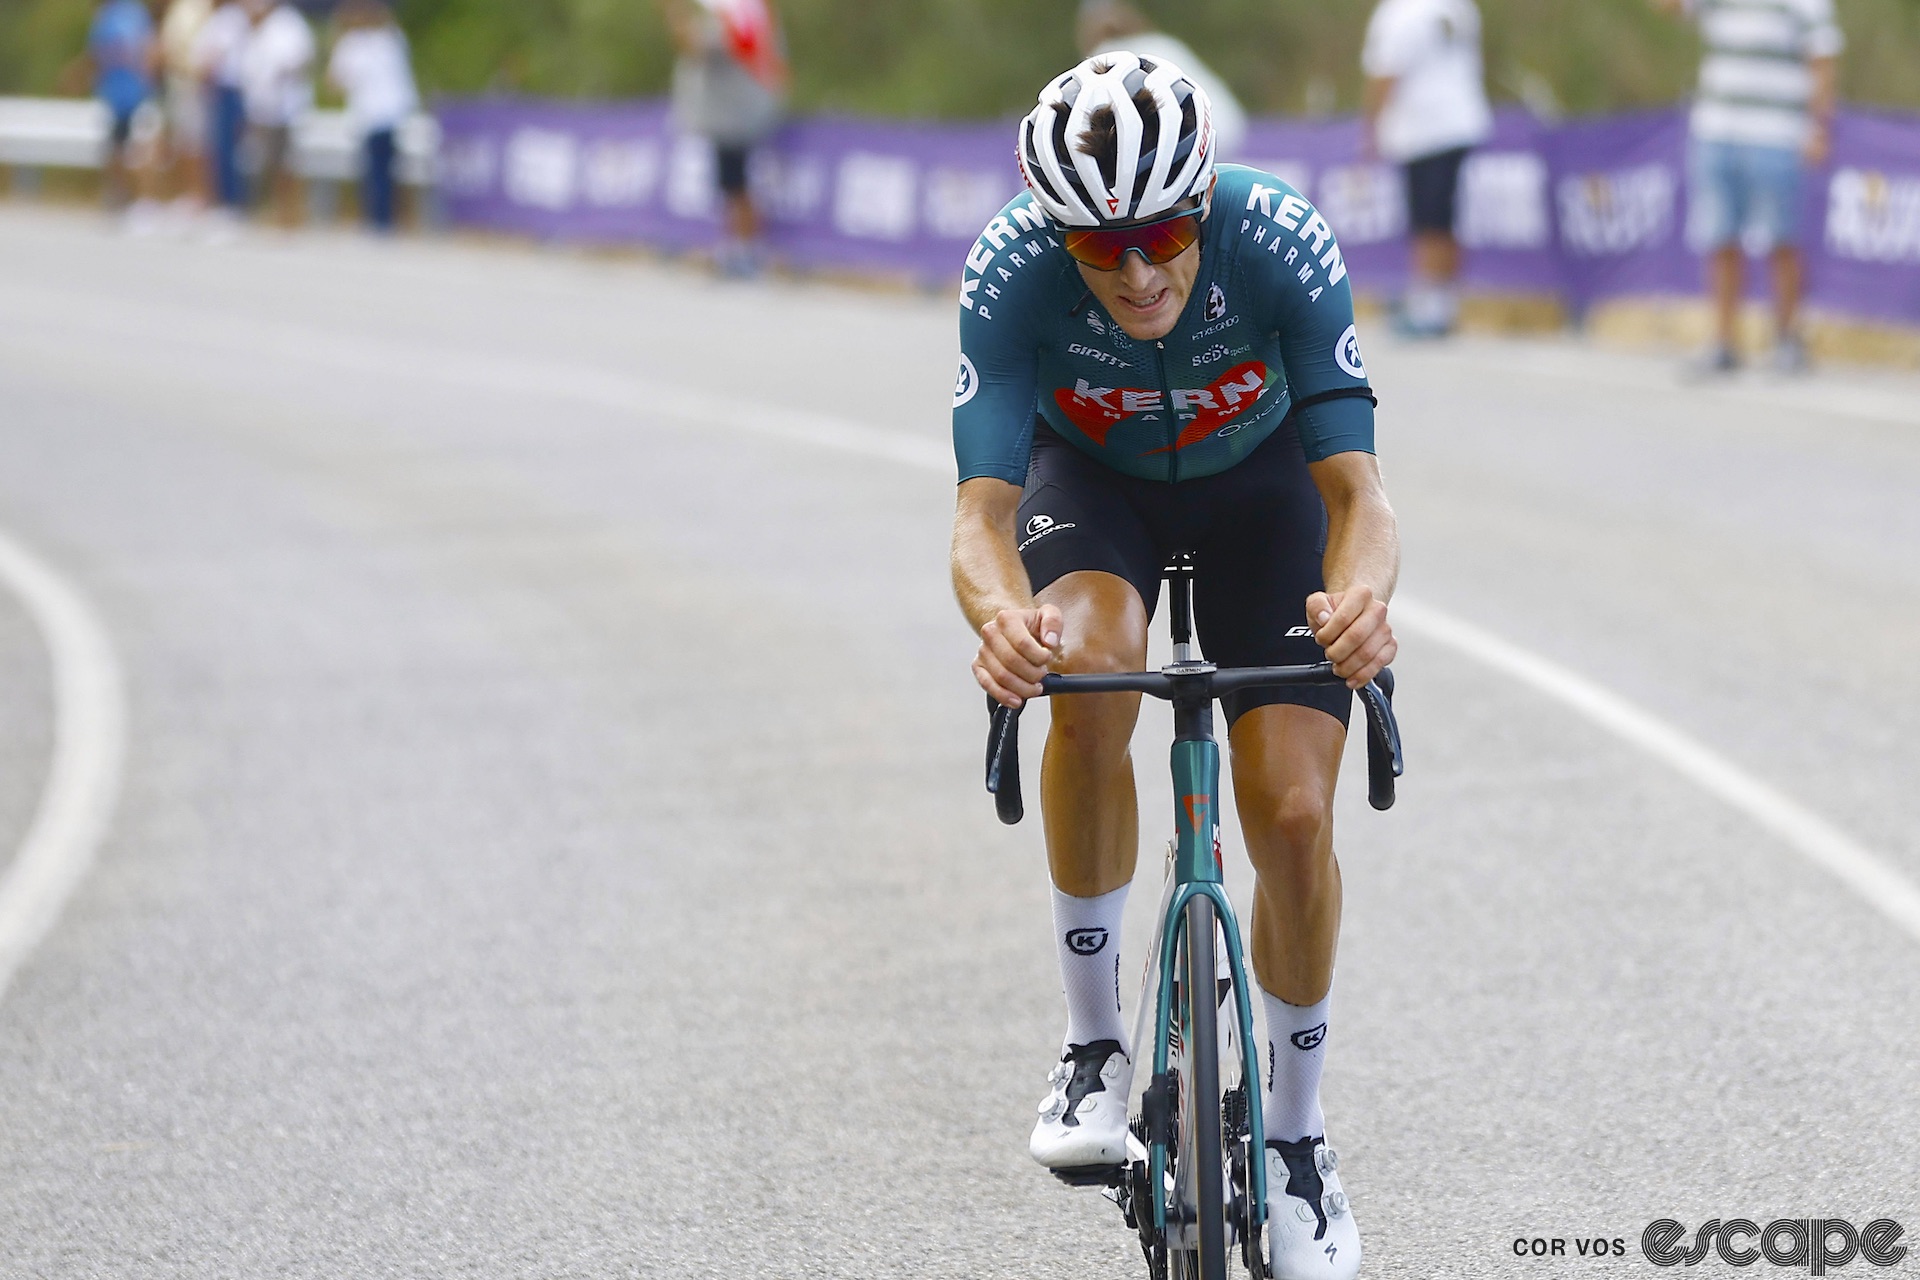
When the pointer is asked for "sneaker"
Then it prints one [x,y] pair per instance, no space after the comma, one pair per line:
[1715,362]
[1083,1118]
[1790,355]
[1310,1229]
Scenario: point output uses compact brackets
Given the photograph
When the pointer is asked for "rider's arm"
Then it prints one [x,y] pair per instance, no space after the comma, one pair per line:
[1362,564]
[993,413]
[1017,637]
[1313,320]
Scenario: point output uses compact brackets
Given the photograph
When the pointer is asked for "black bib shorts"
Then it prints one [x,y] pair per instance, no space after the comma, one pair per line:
[1258,531]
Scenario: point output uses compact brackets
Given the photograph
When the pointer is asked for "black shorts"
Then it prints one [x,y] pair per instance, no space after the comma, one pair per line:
[1433,185]
[1258,531]
[732,163]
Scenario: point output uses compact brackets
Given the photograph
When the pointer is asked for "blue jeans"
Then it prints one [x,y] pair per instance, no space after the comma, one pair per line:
[226,126]
[376,184]
[1741,191]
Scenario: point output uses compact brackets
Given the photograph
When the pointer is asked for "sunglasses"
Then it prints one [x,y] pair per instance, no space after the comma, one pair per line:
[1105,248]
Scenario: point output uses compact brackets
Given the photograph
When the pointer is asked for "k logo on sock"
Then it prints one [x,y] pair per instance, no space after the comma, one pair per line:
[1310,1038]
[1089,942]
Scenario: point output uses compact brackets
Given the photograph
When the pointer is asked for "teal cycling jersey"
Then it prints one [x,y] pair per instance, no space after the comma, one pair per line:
[1268,331]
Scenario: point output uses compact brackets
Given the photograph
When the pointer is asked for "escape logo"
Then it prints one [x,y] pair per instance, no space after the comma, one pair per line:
[1812,1243]
[1808,1244]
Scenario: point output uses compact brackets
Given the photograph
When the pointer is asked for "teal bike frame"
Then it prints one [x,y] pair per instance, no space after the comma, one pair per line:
[1197,903]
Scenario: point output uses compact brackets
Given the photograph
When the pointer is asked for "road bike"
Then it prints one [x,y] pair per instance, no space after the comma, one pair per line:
[1194,1183]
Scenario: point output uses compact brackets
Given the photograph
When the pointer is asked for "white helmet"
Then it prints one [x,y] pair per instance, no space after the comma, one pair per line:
[1162,156]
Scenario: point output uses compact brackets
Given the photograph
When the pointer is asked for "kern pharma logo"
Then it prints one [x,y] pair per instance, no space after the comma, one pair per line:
[1617,212]
[1873,217]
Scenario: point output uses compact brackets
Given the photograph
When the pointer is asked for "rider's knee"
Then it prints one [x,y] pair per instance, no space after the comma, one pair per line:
[1292,829]
[1111,649]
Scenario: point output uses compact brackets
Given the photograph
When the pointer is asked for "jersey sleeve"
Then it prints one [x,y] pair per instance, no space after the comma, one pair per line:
[995,396]
[1319,344]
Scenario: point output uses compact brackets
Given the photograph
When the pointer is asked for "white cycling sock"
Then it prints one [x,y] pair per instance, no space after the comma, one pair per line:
[1086,932]
[1296,1048]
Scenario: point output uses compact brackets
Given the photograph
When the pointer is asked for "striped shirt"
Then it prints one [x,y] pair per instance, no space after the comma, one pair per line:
[1755,81]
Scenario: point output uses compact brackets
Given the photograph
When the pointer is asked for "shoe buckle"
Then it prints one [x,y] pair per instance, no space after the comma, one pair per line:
[1326,1160]
[1335,1203]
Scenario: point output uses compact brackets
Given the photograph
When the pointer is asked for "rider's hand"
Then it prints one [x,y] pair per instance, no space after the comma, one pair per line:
[1016,648]
[1352,627]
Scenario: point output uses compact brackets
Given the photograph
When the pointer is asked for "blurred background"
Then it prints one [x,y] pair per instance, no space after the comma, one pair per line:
[977,59]
[489,774]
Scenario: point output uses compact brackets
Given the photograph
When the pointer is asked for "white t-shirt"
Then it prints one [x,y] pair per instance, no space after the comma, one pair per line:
[371,66]
[1229,118]
[220,47]
[1755,84]
[277,68]
[1431,50]
[180,32]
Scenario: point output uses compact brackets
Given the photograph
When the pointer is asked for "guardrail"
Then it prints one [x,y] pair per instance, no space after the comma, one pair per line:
[71,133]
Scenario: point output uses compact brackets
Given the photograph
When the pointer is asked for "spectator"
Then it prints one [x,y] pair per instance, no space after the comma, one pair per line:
[1763,112]
[119,60]
[1425,109]
[728,85]
[1107,25]
[277,84]
[219,54]
[185,101]
[370,66]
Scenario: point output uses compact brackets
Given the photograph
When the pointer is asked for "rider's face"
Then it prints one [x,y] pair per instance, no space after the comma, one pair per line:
[1146,299]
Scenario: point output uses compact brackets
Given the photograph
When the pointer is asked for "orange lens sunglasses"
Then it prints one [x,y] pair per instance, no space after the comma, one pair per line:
[1105,248]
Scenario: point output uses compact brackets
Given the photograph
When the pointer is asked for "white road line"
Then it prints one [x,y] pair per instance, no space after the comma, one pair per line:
[89,745]
[1869,876]
[1865,873]
[1871,396]
[1876,883]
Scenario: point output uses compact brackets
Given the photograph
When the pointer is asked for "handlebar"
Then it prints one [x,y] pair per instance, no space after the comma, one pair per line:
[1384,759]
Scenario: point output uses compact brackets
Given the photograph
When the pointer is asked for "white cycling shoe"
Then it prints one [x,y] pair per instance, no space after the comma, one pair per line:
[1083,1118]
[1310,1229]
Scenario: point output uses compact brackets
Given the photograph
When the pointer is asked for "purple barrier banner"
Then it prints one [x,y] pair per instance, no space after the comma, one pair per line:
[1504,220]
[1868,220]
[907,198]
[1584,211]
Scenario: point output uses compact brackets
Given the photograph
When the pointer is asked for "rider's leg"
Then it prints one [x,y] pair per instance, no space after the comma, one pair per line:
[1286,759]
[1087,801]
[1092,827]
[1086,777]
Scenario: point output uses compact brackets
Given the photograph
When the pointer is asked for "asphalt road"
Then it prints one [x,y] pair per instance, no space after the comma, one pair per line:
[552,845]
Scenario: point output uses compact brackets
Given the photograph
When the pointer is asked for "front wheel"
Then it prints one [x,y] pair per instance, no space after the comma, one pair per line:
[1197,1210]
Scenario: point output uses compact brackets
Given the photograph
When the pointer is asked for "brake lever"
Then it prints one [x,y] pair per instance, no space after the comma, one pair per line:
[1003,762]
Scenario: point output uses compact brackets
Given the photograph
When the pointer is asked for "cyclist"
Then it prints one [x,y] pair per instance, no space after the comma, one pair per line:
[1158,354]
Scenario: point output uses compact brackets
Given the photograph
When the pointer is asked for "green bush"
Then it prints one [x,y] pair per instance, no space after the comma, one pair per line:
[970,59]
